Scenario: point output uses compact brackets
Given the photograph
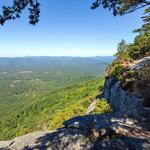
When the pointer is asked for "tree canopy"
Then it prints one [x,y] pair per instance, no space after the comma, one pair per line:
[14,11]
[129,53]
[118,7]
[121,7]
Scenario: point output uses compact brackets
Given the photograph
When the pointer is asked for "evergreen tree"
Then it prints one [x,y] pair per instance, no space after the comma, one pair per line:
[121,7]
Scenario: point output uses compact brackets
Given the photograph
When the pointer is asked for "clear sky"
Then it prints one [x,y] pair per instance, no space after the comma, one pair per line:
[67,28]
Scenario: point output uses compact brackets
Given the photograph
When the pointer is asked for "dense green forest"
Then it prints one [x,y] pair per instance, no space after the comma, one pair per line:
[39,93]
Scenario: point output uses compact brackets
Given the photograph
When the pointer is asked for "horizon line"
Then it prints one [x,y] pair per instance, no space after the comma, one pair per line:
[55,56]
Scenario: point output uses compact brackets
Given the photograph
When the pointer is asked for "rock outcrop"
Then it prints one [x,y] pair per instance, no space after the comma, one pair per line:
[127,128]
[141,63]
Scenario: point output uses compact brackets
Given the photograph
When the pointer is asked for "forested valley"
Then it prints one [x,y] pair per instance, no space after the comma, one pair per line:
[40,93]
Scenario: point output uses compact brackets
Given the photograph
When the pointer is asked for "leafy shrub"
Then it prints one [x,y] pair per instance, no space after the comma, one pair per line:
[117,71]
[102,106]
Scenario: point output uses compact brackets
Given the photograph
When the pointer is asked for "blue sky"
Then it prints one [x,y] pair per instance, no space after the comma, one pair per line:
[67,28]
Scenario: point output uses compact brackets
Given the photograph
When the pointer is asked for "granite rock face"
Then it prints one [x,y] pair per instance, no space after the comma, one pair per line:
[141,63]
[120,100]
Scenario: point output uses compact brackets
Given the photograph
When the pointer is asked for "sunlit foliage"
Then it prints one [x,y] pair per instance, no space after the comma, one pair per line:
[51,110]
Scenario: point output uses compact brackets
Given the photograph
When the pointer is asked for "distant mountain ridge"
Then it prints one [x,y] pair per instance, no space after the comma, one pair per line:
[20,63]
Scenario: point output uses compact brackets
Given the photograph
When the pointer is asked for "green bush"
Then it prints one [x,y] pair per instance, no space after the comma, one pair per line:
[102,106]
[117,71]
